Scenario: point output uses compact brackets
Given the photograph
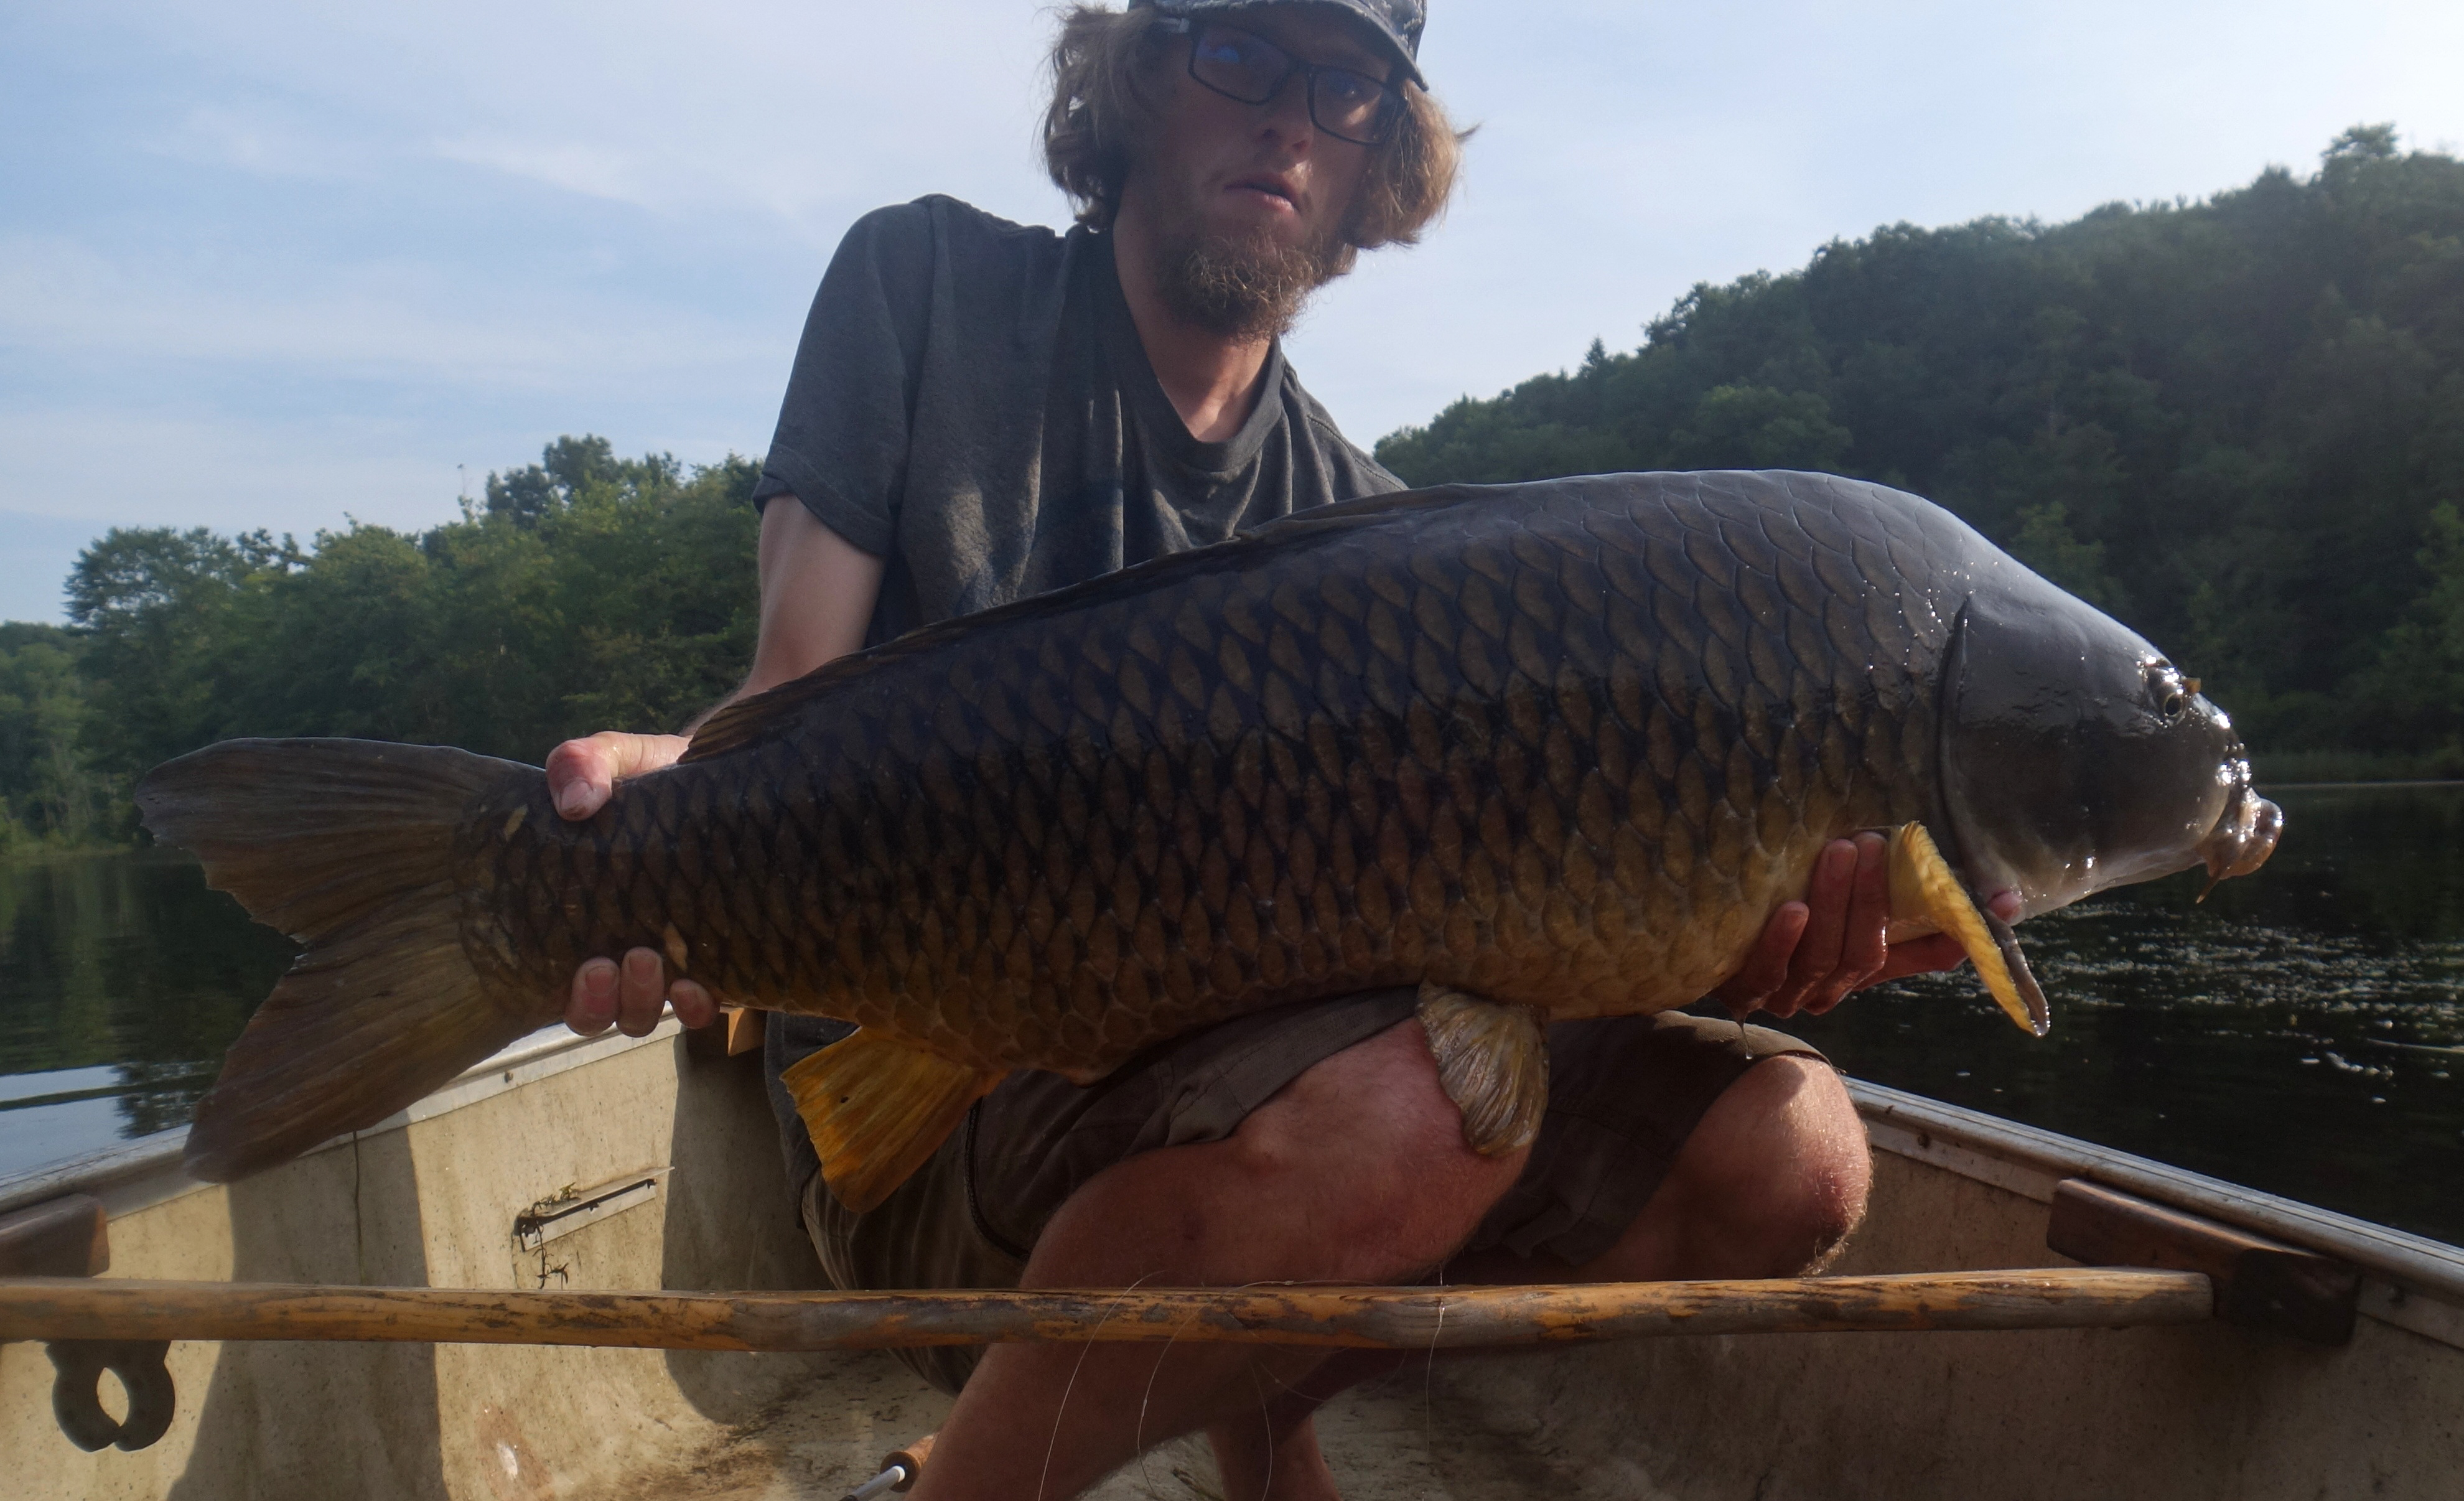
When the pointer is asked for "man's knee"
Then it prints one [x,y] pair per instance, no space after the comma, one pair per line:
[1370,1143]
[1782,1155]
[1770,1183]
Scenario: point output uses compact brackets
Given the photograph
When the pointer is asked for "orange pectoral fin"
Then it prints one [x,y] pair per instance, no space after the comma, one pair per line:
[877,1108]
[1924,885]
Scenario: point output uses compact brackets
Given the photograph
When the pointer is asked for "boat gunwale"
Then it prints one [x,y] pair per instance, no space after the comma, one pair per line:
[2027,1160]
[150,1170]
[2419,1263]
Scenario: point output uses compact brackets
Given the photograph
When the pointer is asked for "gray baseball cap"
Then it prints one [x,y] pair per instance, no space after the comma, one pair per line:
[1397,23]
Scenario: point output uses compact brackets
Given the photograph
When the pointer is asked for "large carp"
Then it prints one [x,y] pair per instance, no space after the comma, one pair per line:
[1547,750]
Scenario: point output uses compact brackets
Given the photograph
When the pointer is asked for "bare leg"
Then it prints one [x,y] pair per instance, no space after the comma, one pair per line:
[1356,1172]
[1267,1448]
[1770,1185]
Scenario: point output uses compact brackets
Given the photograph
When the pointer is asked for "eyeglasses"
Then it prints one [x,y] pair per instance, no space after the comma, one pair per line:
[1345,102]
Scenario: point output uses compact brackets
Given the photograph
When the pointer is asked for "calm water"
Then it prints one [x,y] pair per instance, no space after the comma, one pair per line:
[121,981]
[2302,1032]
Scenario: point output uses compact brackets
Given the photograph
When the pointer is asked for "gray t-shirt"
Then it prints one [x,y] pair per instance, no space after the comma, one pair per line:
[972,402]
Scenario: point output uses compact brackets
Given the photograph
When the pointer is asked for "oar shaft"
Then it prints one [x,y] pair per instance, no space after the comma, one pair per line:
[1393,1318]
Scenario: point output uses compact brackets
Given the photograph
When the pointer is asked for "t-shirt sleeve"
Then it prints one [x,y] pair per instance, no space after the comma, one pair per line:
[1352,473]
[842,440]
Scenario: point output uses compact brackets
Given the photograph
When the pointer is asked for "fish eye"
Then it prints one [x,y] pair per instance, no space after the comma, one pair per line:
[2169,690]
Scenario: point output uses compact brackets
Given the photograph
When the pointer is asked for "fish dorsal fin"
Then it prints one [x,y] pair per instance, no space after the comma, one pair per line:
[748,720]
[878,1109]
[1922,884]
[1493,1063]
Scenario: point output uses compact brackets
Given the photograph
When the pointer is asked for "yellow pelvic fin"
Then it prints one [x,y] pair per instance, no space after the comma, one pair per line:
[877,1108]
[1922,882]
[1493,1062]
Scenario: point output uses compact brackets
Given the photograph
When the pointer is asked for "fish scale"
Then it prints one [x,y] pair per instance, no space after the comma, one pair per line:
[1562,745]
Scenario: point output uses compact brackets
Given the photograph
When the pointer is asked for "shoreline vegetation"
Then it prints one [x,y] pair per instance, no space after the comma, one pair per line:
[2236,424]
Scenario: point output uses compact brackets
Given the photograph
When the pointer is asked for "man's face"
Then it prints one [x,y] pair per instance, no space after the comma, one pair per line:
[1247,203]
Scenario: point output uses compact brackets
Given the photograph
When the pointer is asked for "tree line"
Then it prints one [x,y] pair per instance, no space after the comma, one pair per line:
[2238,424]
[586,591]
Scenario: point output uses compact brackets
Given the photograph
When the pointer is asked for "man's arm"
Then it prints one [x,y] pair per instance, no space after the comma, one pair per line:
[818,591]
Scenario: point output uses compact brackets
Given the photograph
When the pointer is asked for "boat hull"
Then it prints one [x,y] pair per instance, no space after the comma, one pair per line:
[490,1183]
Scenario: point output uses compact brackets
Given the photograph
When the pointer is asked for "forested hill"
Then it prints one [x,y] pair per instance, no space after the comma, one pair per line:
[2238,424]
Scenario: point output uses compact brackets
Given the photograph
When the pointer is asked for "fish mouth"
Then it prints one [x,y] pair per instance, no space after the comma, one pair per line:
[2243,838]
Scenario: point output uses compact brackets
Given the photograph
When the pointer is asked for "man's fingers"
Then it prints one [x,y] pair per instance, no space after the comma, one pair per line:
[592,1004]
[1767,967]
[642,992]
[694,1004]
[1924,956]
[629,996]
[1828,895]
[1928,956]
[581,772]
[1865,949]
[1816,957]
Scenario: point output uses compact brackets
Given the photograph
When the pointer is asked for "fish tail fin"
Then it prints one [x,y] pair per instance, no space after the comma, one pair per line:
[877,1108]
[1923,882]
[348,845]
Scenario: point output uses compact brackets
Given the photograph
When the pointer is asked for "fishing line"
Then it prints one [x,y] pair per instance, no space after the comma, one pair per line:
[1429,1377]
[359,1215]
[1058,1412]
[1138,1431]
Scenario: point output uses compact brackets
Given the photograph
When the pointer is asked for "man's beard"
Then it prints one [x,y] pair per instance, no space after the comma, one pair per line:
[1239,288]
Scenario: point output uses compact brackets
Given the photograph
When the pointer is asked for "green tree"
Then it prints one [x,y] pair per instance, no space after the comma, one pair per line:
[50,792]
[2414,694]
[589,592]
[2229,420]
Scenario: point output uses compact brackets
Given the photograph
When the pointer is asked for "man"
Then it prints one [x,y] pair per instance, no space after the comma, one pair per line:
[980,411]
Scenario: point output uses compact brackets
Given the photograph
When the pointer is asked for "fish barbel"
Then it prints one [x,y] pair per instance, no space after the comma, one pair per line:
[1548,750]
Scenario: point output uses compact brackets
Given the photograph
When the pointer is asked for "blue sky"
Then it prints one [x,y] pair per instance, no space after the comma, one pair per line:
[277,264]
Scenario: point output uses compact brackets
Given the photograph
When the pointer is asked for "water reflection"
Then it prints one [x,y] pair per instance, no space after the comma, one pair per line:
[2300,1032]
[122,979]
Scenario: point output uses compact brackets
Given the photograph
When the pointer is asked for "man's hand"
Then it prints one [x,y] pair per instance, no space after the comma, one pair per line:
[817,590]
[1814,952]
[580,776]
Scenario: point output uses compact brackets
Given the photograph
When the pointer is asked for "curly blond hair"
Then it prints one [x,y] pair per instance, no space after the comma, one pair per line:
[1101,61]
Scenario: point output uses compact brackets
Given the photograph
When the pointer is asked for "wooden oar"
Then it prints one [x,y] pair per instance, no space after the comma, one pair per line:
[1389,1318]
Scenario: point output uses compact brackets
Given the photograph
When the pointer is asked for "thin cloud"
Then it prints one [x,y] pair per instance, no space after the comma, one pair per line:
[572,166]
[264,142]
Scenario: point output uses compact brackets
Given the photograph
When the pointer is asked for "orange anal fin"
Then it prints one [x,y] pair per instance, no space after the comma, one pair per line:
[877,1108]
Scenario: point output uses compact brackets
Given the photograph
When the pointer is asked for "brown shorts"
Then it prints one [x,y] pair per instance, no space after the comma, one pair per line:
[1624,1092]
